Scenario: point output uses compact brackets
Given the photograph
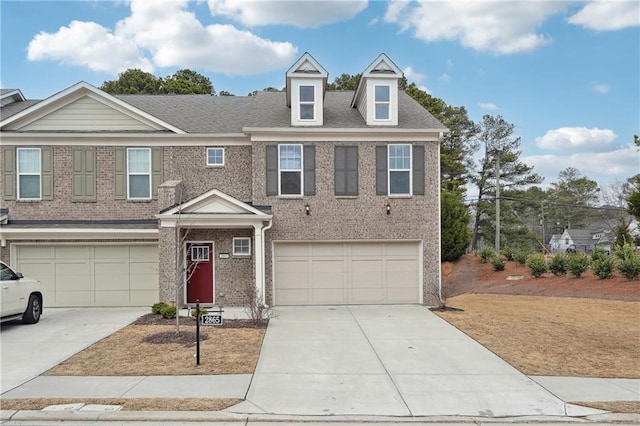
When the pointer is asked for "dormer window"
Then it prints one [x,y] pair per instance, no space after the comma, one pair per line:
[307,102]
[382,102]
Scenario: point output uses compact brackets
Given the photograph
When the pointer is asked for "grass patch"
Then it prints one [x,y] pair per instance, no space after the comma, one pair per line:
[554,336]
[128,404]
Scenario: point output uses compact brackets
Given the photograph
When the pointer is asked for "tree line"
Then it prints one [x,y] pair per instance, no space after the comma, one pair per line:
[528,213]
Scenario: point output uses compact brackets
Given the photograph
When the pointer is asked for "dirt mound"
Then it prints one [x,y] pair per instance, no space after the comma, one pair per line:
[470,275]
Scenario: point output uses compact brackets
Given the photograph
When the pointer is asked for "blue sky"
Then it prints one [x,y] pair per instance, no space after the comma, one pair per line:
[565,73]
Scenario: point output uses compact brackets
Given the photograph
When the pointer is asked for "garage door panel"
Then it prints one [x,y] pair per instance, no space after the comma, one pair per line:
[326,249]
[346,273]
[367,295]
[328,296]
[293,297]
[112,252]
[100,275]
[143,297]
[73,298]
[73,252]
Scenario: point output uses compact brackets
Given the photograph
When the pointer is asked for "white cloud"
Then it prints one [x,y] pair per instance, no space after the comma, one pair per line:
[488,106]
[501,27]
[608,15]
[161,34]
[600,87]
[299,13]
[374,21]
[412,75]
[602,167]
[577,138]
[88,44]
[445,77]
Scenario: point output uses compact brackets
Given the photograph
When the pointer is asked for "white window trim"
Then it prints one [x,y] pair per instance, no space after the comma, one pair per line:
[19,174]
[410,170]
[248,244]
[301,170]
[138,174]
[376,103]
[215,164]
[201,249]
[312,103]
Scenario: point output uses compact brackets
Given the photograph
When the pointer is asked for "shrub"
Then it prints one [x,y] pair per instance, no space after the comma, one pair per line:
[202,311]
[628,261]
[157,307]
[603,266]
[168,311]
[508,253]
[522,256]
[577,264]
[456,235]
[498,263]
[537,265]
[558,264]
[487,253]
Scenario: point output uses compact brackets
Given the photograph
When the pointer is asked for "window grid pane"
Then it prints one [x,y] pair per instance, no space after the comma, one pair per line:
[241,246]
[215,156]
[307,94]
[29,161]
[139,172]
[290,157]
[29,187]
[399,169]
[382,94]
[199,253]
[28,167]
[139,160]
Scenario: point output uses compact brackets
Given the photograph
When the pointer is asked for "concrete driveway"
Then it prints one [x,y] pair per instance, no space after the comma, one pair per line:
[30,350]
[387,361]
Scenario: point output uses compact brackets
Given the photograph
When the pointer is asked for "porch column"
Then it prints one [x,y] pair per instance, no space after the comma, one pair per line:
[258,245]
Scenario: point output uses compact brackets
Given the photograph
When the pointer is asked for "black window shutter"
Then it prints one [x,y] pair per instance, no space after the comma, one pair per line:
[272,170]
[309,170]
[381,170]
[418,170]
[346,170]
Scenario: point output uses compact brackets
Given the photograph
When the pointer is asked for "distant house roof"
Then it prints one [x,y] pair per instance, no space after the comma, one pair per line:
[582,237]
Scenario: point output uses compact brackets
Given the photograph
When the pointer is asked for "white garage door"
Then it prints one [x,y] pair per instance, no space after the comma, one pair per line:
[92,275]
[334,273]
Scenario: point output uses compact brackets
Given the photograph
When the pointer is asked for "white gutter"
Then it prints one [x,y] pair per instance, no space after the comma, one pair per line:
[263,284]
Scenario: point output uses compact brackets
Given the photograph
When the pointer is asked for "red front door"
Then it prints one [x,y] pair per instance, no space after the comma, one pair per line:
[200,281]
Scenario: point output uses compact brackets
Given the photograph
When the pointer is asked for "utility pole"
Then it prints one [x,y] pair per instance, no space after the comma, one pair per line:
[497,201]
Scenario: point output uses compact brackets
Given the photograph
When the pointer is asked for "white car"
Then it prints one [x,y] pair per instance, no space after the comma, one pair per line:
[20,297]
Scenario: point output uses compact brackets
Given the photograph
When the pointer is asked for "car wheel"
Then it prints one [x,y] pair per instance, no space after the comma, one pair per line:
[34,309]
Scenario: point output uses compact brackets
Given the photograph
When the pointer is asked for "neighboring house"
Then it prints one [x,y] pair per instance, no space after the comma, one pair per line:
[304,196]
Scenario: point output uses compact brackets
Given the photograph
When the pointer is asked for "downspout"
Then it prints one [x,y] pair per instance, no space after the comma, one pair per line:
[262,265]
[441,301]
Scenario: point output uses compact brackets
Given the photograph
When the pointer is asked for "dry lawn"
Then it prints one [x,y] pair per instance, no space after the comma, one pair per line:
[128,404]
[554,336]
[225,351]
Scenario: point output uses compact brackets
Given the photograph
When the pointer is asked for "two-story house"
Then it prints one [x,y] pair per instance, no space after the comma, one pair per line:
[304,196]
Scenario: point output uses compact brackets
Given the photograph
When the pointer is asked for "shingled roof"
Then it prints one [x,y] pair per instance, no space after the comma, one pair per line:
[230,114]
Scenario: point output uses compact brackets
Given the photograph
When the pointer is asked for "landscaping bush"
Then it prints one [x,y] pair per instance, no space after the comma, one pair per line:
[521,257]
[157,307]
[628,261]
[537,265]
[508,253]
[202,311]
[603,267]
[558,264]
[577,264]
[498,263]
[487,253]
[168,311]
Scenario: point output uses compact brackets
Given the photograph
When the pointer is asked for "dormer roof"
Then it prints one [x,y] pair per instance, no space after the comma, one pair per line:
[305,67]
[381,67]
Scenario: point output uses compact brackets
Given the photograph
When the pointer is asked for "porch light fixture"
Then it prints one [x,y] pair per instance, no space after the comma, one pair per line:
[307,209]
[388,208]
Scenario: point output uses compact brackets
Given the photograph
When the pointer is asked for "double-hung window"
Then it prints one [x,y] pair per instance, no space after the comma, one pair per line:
[290,169]
[139,173]
[307,102]
[29,173]
[242,246]
[215,157]
[382,102]
[399,169]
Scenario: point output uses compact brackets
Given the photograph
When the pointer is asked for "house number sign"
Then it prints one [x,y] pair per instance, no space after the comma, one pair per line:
[212,318]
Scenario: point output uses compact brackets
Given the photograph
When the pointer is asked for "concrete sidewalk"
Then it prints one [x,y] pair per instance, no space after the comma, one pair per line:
[396,362]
